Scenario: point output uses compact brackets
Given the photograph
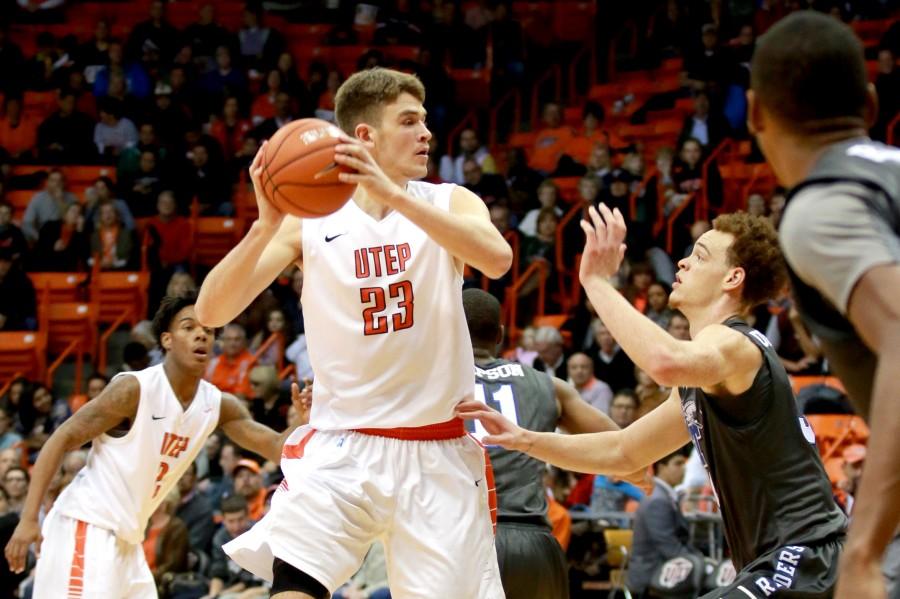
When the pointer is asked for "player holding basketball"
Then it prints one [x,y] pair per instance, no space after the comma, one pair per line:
[146,427]
[810,107]
[728,385]
[532,564]
[384,457]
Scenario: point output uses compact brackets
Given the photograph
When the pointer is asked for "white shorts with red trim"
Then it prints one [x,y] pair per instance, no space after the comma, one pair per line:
[79,560]
[428,501]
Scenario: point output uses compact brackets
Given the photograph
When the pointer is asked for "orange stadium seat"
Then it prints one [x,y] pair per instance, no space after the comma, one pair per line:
[214,236]
[68,322]
[836,431]
[59,286]
[574,21]
[568,188]
[23,353]
[120,293]
[19,199]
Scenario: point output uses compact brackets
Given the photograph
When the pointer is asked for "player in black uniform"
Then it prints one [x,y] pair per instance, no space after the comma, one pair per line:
[532,564]
[728,385]
[809,107]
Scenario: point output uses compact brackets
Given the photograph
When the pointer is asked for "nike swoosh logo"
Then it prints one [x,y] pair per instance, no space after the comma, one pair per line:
[157,417]
[333,237]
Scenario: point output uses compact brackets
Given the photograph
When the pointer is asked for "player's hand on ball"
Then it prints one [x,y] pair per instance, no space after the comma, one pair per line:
[27,532]
[269,215]
[604,246]
[500,431]
[354,154]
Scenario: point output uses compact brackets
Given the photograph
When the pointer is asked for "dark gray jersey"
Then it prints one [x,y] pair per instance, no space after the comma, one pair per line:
[762,460]
[527,397]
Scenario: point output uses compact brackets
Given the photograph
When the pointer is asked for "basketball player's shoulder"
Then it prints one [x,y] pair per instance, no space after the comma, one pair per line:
[431,191]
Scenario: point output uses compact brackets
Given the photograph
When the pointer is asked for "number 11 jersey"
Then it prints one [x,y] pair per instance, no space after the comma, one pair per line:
[385,327]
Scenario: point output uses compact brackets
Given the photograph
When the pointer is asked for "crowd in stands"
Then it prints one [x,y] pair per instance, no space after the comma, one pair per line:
[173,117]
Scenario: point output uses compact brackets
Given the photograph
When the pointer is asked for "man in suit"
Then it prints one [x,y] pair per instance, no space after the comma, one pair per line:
[548,343]
[660,531]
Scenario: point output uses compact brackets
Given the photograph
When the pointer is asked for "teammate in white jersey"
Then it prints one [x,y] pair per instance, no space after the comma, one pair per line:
[384,457]
[146,427]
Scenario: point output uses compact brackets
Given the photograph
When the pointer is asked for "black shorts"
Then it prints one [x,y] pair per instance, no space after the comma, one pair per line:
[532,564]
[808,571]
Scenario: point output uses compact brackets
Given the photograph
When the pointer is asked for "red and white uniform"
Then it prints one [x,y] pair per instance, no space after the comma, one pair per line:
[383,457]
[93,534]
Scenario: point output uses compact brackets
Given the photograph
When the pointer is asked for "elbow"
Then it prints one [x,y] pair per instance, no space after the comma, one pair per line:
[500,264]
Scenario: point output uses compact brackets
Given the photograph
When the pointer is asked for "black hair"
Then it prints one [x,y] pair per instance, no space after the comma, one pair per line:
[234,503]
[133,352]
[630,394]
[809,67]
[681,451]
[111,106]
[482,315]
[98,375]
[594,108]
[168,308]
[20,469]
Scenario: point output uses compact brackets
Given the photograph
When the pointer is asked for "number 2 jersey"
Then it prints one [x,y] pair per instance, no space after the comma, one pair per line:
[385,327]
[126,478]
[762,460]
[527,397]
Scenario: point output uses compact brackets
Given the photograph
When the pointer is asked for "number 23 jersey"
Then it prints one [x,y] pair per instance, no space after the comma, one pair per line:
[385,327]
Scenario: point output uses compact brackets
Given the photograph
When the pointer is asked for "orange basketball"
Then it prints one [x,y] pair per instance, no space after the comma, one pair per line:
[293,158]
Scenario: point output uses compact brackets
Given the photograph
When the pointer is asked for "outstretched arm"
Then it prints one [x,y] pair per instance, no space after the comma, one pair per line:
[119,401]
[617,453]
[874,312]
[240,427]
[716,355]
[271,244]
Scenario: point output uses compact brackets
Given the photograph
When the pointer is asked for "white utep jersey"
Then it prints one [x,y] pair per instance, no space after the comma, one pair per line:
[126,478]
[382,306]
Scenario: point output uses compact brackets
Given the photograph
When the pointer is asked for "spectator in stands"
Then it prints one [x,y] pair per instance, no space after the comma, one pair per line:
[230,128]
[679,327]
[548,343]
[18,133]
[649,393]
[63,245]
[551,141]
[248,483]
[599,163]
[46,205]
[11,236]
[181,283]
[12,62]
[260,46]
[96,383]
[104,190]
[853,460]
[227,579]
[134,357]
[276,324]
[18,309]
[592,134]
[637,285]
[660,531]
[776,207]
[451,168]
[658,309]
[698,228]
[581,375]
[40,415]
[169,115]
[230,370]
[888,85]
[624,407]
[610,362]
[202,179]
[709,128]
[708,67]
[114,132]
[129,161]
[93,55]
[171,233]
[156,30]
[283,116]
[205,36]
[67,135]
[490,188]
[264,105]
[15,483]
[370,581]
[40,68]
[8,436]
[548,197]
[756,205]
[111,240]
[223,80]
[85,101]
[195,511]
[137,81]
[687,170]
[71,466]
[9,458]
[269,406]
[166,543]
[143,188]
[501,217]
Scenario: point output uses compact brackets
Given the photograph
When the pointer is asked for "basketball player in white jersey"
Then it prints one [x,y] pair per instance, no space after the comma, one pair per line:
[384,456]
[147,427]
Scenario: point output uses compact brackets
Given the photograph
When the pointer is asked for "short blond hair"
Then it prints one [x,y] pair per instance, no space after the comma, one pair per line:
[362,97]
